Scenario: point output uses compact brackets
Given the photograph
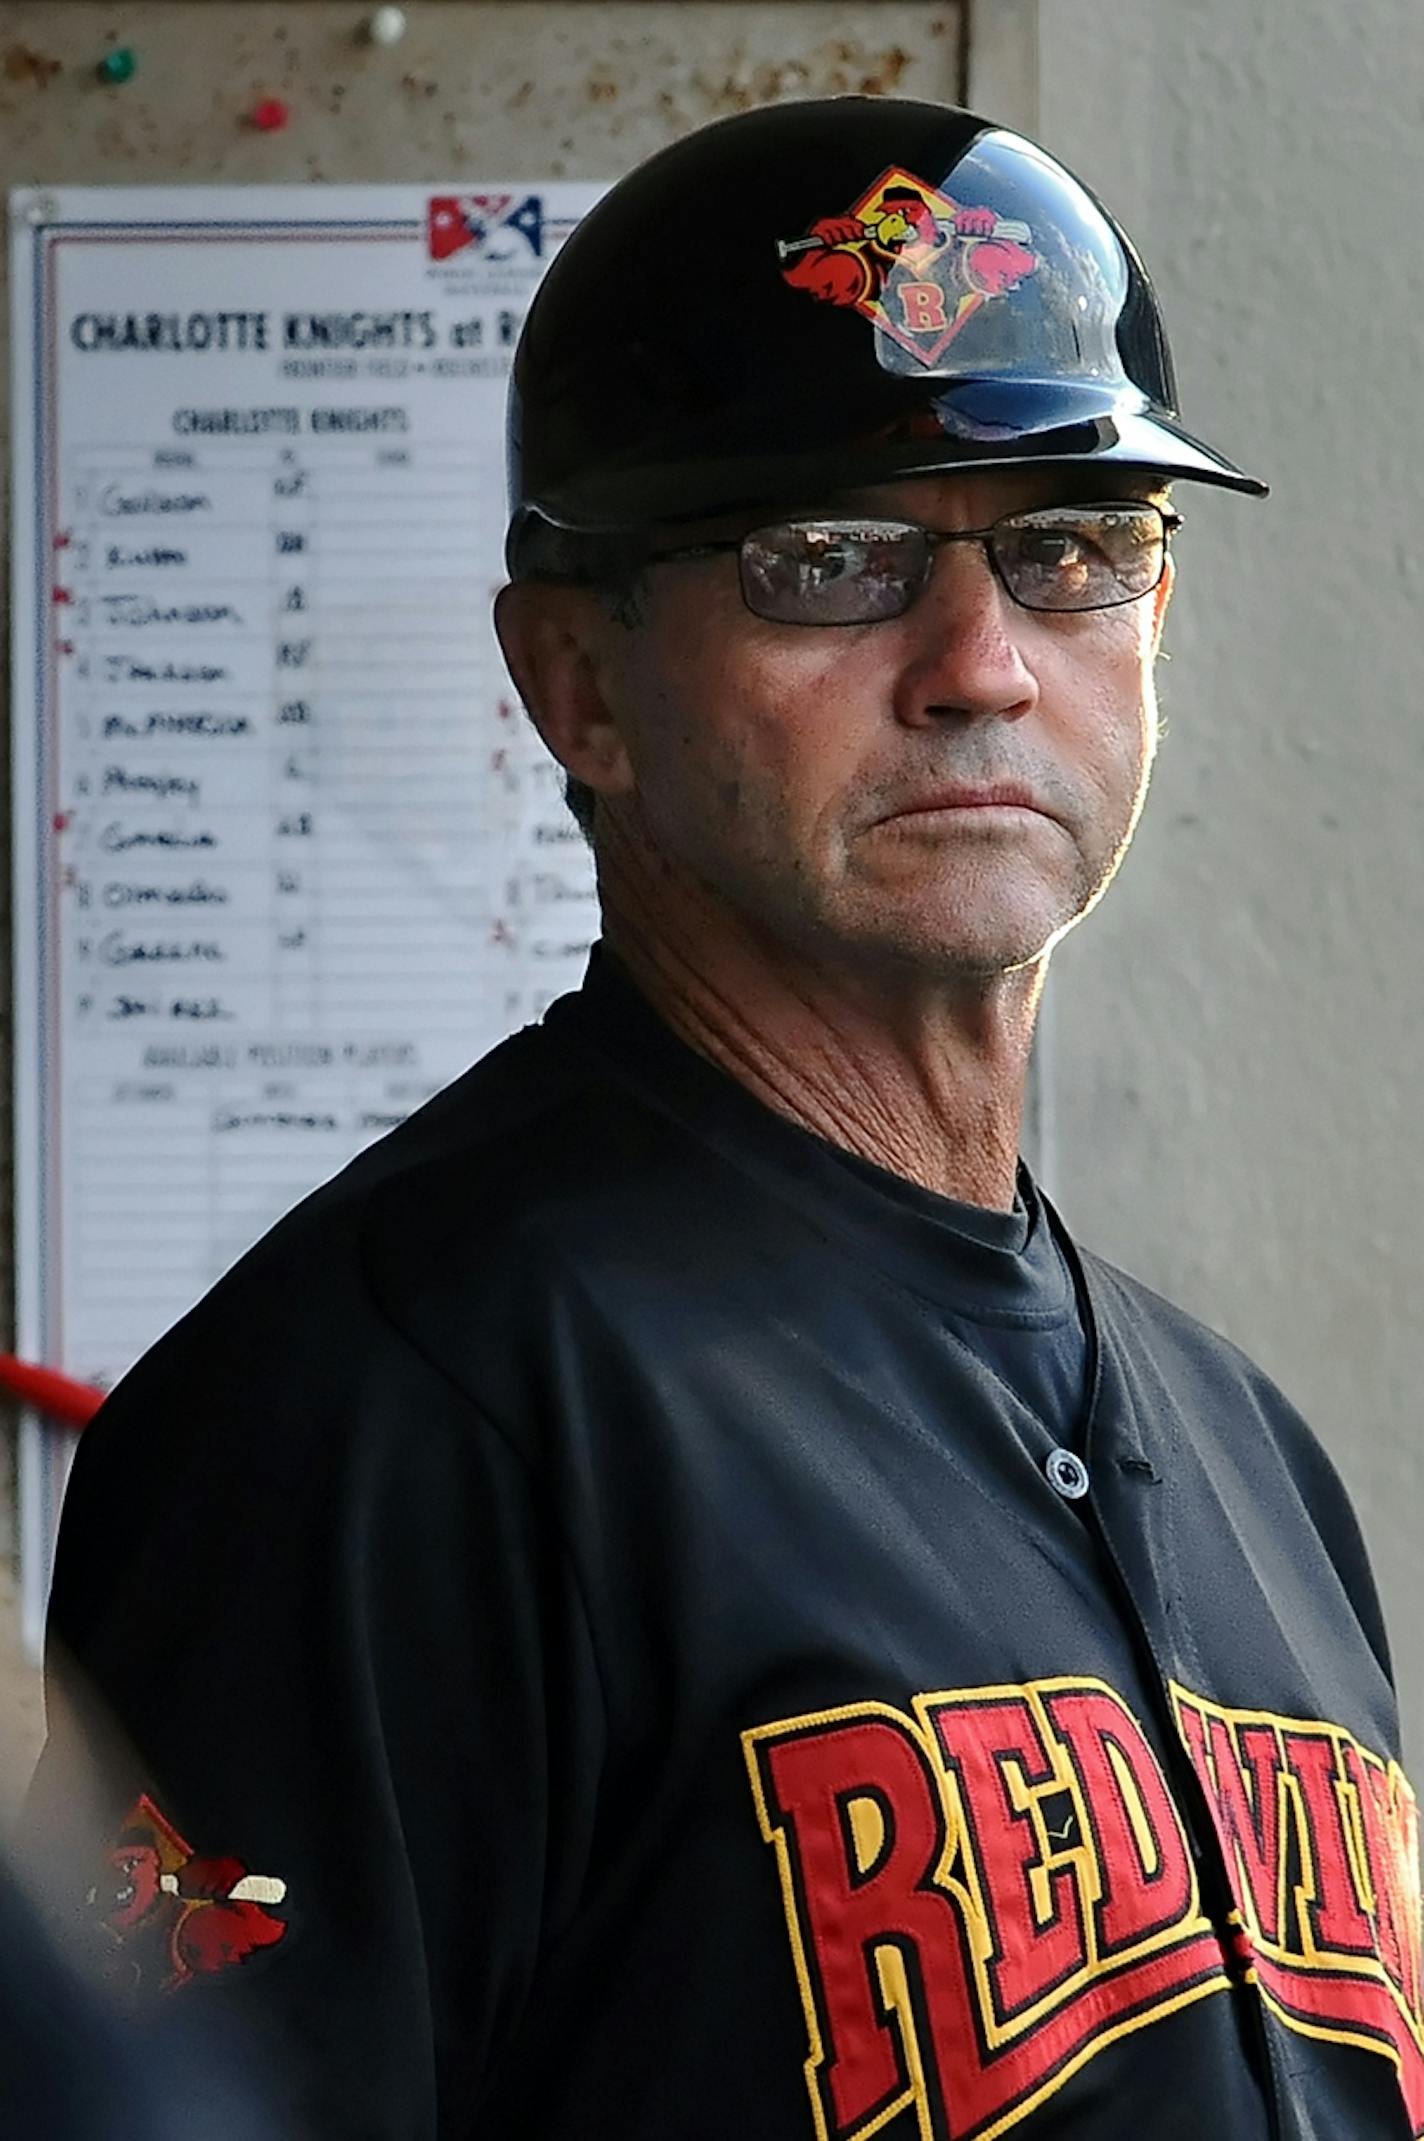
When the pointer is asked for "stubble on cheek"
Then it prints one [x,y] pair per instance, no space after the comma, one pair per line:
[735,718]
[1119,776]
[741,770]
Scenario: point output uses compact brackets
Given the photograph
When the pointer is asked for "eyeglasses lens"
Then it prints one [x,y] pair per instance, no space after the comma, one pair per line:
[829,572]
[1080,558]
[833,572]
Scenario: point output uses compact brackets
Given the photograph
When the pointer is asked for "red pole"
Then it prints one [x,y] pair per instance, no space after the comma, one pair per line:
[49,1391]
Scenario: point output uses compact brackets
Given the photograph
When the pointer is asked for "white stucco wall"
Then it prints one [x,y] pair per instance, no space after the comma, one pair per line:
[1238,1034]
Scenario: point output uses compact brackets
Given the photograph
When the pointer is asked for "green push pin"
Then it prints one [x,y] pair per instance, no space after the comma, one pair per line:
[119,65]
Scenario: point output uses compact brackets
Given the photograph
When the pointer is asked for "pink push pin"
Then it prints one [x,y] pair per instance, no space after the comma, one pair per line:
[271,115]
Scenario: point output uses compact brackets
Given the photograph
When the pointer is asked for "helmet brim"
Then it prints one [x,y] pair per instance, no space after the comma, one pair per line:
[795,351]
[674,491]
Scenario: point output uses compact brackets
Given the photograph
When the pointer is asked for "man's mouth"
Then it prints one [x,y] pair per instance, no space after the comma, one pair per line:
[999,795]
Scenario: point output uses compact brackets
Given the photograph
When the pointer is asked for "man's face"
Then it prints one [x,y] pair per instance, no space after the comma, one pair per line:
[822,782]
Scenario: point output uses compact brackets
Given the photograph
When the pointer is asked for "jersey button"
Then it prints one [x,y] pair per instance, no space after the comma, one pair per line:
[1067,1475]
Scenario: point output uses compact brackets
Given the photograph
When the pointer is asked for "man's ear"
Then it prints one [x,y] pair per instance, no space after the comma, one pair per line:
[551,636]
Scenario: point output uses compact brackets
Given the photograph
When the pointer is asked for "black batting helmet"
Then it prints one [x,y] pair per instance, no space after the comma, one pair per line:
[812,296]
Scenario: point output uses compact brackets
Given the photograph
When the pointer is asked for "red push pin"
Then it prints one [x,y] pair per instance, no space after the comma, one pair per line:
[271,115]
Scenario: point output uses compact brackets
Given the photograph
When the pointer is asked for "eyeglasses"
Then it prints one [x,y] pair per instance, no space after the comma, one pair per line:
[828,572]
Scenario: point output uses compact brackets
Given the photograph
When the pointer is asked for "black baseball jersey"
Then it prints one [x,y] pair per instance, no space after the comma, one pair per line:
[628,1622]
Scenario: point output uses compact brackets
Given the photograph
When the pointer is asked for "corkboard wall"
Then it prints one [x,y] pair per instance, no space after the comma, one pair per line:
[511,86]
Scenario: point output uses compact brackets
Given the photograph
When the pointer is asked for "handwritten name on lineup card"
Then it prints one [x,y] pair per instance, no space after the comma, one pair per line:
[289,855]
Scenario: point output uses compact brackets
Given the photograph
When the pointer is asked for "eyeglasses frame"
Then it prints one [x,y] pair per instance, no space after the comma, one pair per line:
[936,539]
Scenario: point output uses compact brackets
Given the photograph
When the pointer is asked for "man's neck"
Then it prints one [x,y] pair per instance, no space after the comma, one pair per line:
[922,1079]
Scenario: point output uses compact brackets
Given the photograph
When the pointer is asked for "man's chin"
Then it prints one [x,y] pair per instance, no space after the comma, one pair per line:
[953,944]
[951,957]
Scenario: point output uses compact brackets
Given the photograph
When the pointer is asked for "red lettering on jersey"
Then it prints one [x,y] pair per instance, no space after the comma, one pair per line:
[1338,1924]
[1389,1821]
[865,1832]
[983,1894]
[940,1875]
[1328,1882]
[1032,1906]
[922,307]
[1244,1784]
[1140,1846]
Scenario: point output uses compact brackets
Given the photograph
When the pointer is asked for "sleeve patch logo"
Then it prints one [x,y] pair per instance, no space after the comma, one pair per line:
[983,1893]
[911,260]
[169,1916]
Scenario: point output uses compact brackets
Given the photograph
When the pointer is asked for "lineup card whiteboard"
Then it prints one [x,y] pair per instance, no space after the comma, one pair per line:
[288,855]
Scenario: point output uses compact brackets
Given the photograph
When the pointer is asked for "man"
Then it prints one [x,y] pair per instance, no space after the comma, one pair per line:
[721,1616]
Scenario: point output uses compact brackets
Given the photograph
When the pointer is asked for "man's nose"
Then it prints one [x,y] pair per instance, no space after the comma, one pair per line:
[963,645]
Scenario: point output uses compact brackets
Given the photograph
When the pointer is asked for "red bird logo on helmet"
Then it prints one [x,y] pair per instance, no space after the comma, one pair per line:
[912,260]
